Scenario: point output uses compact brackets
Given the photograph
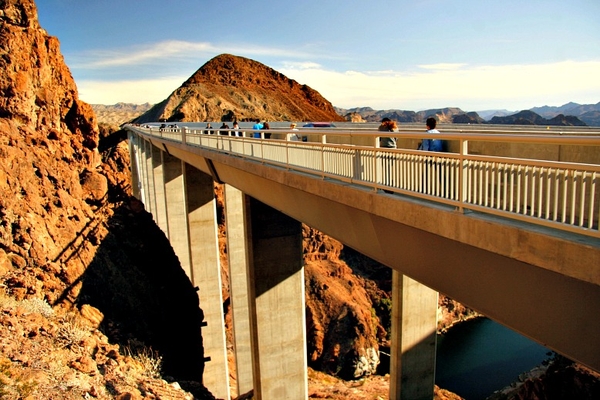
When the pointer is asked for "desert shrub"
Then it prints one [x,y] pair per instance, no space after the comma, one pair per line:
[71,333]
[384,312]
[38,306]
[150,360]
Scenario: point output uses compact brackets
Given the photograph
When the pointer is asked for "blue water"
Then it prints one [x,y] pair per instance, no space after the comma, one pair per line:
[478,357]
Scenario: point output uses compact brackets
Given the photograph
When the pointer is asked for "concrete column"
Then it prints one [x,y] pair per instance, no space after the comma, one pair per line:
[235,218]
[139,146]
[133,161]
[160,216]
[150,192]
[143,154]
[176,210]
[206,274]
[277,304]
[414,324]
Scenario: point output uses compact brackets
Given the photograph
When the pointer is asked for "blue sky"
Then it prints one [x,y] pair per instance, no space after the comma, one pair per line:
[411,55]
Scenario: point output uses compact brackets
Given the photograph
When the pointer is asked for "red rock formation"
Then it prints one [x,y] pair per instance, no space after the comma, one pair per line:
[72,237]
[342,329]
[229,88]
[49,160]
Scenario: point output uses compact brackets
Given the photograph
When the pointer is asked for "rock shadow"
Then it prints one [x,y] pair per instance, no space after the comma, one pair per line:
[137,282]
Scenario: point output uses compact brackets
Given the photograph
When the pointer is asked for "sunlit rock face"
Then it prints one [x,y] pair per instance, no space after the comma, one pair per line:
[232,88]
[50,180]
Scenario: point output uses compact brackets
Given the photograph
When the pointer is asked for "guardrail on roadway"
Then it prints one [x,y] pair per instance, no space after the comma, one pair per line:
[553,182]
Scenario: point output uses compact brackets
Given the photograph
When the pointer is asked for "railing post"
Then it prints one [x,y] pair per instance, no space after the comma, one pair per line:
[322,162]
[183,133]
[464,151]
[287,153]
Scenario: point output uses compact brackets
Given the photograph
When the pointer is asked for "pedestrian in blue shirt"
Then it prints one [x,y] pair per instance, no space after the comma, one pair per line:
[433,179]
[431,144]
[257,127]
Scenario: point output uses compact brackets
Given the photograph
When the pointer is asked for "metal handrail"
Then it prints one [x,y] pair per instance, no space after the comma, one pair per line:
[560,194]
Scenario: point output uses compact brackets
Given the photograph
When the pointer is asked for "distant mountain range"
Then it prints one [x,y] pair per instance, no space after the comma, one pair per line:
[588,113]
[119,113]
[570,114]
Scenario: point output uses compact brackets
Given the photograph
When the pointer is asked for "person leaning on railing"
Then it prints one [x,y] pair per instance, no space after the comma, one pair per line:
[224,129]
[387,125]
[433,182]
[431,144]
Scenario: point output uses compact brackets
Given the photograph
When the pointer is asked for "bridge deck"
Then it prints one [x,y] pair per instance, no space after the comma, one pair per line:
[540,279]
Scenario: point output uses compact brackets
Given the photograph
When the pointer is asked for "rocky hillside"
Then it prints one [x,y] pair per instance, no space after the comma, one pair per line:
[230,88]
[87,308]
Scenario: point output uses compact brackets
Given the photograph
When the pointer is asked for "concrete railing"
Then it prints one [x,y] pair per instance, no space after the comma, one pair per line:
[546,179]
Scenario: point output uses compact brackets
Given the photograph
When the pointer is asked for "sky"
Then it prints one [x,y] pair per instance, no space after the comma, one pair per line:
[385,54]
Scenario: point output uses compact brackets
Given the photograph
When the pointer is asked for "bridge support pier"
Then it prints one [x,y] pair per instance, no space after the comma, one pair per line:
[202,227]
[181,200]
[277,304]
[150,181]
[136,186]
[237,250]
[160,215]
[174,180]
[414,324]
[144,161]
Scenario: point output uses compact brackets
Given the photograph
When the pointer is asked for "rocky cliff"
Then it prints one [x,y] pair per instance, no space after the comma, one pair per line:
[230,88]
[50,184]
[84,306]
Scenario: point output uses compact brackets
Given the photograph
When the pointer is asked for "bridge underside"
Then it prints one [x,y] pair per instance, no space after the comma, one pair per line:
[543,286]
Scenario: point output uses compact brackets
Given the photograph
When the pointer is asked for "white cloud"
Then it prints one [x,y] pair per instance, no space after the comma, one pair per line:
[116,58]
[442,66]
[167,51]
[460,85]
[301,65]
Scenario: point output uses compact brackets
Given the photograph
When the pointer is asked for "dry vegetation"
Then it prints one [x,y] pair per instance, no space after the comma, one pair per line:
[48,353]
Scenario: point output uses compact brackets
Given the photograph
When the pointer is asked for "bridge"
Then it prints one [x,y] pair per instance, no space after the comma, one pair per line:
[505,222]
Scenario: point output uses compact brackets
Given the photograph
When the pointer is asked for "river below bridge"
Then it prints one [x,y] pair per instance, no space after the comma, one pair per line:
[477,357]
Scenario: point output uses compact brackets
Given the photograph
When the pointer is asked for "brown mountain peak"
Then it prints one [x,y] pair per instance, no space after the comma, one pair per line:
[230,70]
[231,88]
